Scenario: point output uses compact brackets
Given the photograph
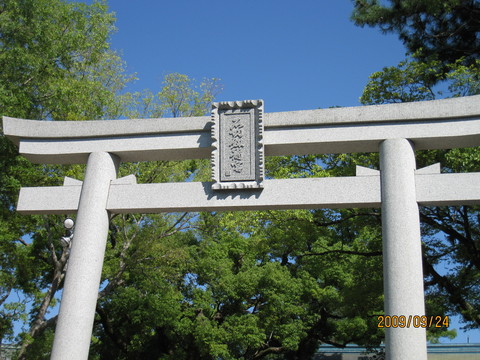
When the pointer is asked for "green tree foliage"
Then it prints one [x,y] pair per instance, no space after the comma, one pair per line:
[256,285]
[450,234]
[444,38]
[145,254]
[177,286]
[180,96]
[234,285]
[447,30]
[409,81]
[253,285]
[414,80]
[181,286]
[56,64]
[244,286]
[79,79]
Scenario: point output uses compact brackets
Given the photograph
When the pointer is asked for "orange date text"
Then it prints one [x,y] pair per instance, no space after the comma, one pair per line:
[416,321]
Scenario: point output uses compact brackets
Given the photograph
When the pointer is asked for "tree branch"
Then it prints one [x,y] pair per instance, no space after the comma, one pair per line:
[109,329]
[270,350]
[465,241]
[23,242]
[346,252]
[455,293]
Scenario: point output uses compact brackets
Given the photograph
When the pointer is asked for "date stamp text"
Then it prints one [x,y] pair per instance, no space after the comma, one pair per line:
[416,321]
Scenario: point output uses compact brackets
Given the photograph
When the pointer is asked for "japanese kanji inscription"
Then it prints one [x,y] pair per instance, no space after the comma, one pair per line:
[237,133]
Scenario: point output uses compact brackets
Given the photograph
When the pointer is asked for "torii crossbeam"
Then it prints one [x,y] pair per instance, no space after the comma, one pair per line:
[394,130]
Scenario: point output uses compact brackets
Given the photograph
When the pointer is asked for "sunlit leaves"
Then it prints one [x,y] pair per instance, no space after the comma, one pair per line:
[450,234]
[446,30]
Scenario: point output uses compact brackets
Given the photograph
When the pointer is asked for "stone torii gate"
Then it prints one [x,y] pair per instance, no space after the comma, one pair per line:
[237,137]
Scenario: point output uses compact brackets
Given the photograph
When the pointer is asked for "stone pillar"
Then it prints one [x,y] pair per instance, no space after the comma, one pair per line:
[77,308]
[402,253]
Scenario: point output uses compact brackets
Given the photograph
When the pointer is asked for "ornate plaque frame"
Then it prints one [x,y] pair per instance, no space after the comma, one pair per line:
[237,141]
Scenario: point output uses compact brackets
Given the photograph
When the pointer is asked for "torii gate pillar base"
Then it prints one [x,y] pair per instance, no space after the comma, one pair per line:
[77,309]
[402,253]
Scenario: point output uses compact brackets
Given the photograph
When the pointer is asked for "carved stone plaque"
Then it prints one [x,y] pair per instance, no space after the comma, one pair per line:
[237,134]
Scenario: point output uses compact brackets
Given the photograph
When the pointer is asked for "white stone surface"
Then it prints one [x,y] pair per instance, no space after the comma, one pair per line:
[448,189]
[49,200]
[314,139]
[19,128]
[430,169]
[365,137]
[277,194]
[129,180]
[77,307]
[402,253]
[237,157]
[438,124]
[128,148]
[364,171]
[431,190]
[68,181]
[446,109]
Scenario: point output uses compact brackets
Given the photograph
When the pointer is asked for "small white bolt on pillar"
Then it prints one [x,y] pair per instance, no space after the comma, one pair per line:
[77,308]
[402,253]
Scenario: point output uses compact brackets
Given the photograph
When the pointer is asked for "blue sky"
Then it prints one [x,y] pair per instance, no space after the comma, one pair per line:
[294,55]
[297,55]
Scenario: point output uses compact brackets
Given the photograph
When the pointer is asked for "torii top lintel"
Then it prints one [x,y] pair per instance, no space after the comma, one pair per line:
[438,124]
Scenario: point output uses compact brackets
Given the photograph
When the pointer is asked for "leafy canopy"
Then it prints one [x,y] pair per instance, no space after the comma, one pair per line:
[56,64]
[447,30]
[450,235]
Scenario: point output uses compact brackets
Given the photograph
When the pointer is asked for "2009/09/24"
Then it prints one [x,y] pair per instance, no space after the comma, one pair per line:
[417,321]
